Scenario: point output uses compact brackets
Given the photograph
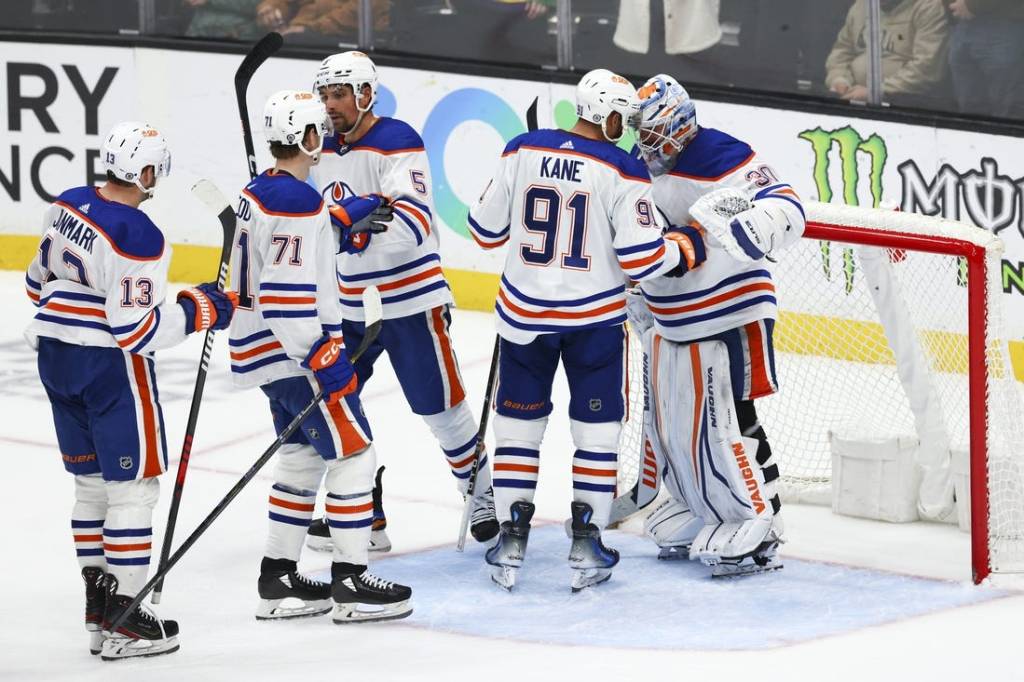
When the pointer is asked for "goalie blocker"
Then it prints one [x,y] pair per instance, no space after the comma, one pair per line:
[716,462]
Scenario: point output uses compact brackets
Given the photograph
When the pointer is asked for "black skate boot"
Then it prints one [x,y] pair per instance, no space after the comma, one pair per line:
[95,602]
[141,634]
[318,537]
[286,593]
[483,523]
[591,562]
[506,556]
[360,596]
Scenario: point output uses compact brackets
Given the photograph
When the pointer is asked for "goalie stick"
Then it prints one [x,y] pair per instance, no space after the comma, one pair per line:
[374,313]
[460,545]
[207,193]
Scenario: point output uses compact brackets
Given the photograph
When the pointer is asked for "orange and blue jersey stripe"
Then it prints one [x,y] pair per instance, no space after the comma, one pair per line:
[521,311]
[414,215]
[74,309]
[399,283]
[734,293]
[287,300]
[254,351]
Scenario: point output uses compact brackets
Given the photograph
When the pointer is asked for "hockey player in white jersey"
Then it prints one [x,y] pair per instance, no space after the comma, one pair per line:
[578,216]
[710,350]
[373,155]
[99,280]
[286,339]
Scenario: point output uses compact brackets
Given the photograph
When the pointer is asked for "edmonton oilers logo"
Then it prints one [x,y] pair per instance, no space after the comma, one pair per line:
[337,192]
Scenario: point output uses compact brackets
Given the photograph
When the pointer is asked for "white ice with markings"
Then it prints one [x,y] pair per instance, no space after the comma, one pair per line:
[857,600]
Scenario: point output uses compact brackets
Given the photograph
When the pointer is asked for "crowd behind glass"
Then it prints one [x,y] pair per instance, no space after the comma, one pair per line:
[959,56]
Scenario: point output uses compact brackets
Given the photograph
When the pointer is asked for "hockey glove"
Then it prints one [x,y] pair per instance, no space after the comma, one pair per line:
[359,217]
[332,369]
[692,249]
[207,307]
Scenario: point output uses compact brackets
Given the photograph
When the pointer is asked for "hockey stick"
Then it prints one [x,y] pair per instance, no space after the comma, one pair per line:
[478,453]
[207,192]
[260,52]
[374,312]
[460,545]
[209,195]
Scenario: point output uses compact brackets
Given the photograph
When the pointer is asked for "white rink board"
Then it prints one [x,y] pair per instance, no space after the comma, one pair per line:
[465,121]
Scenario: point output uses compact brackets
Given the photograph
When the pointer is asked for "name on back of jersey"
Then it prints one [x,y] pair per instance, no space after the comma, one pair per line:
[74,230]
[561,168]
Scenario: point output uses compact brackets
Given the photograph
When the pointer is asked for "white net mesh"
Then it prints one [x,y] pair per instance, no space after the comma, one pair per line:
[843,311]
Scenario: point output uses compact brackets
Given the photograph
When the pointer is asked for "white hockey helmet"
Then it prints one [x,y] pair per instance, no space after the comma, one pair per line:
[288,113]
[131,147]
[351,68]
[665,119]
[601,92]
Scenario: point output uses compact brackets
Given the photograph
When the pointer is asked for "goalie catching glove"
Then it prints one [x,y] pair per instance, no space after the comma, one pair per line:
[748,231]
[207,307]
[330,365]
[359,217]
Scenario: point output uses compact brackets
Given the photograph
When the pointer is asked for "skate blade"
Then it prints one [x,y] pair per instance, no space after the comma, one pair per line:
[504,576]
[272,609]
[674,553]
[96,639]
[319,544]
[734,571]
[582,578]
[356,612]
[118,647]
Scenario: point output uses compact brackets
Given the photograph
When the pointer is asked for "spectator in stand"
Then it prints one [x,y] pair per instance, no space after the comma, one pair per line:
[223,19]
[986,56]
[914,44]
[319,17]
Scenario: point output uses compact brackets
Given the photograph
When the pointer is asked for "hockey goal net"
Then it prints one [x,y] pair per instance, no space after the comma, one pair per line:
[891,327]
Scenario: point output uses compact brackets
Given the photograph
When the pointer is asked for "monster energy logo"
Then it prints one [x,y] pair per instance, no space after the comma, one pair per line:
[852,148]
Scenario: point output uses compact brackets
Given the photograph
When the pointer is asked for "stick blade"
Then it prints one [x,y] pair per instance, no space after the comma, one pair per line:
[373,308]
[531,115]
[210,195]
[263,50]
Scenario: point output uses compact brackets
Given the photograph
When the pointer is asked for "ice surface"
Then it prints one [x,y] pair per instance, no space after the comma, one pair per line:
[819,620]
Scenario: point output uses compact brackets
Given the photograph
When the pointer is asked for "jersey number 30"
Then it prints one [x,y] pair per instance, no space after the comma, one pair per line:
[542,213]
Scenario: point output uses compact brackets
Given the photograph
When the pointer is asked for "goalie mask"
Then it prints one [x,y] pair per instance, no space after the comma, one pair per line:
[665,122]
[599,94]
[289,113]
[131,147]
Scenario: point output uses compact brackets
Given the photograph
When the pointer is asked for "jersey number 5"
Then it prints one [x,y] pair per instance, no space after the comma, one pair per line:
[542,213]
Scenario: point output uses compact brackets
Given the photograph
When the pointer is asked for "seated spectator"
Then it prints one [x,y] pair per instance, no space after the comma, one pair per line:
[319,17]
[234,19]
[914,43]
[986,56]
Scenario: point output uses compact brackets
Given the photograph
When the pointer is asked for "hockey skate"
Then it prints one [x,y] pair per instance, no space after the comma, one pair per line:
[591,562]
[506,556]
[360,596]
[141,634]
[286,593]
[483,523]
[95,601]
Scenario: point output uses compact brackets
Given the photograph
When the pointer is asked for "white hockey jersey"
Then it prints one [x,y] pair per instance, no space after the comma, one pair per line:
[402,262]
[723,293]
[100,277]
[579,219]
[284,269]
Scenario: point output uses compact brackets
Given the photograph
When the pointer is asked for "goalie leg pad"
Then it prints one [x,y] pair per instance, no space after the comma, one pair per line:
[738,548]
[673,528]
[349,505]
[697,429]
